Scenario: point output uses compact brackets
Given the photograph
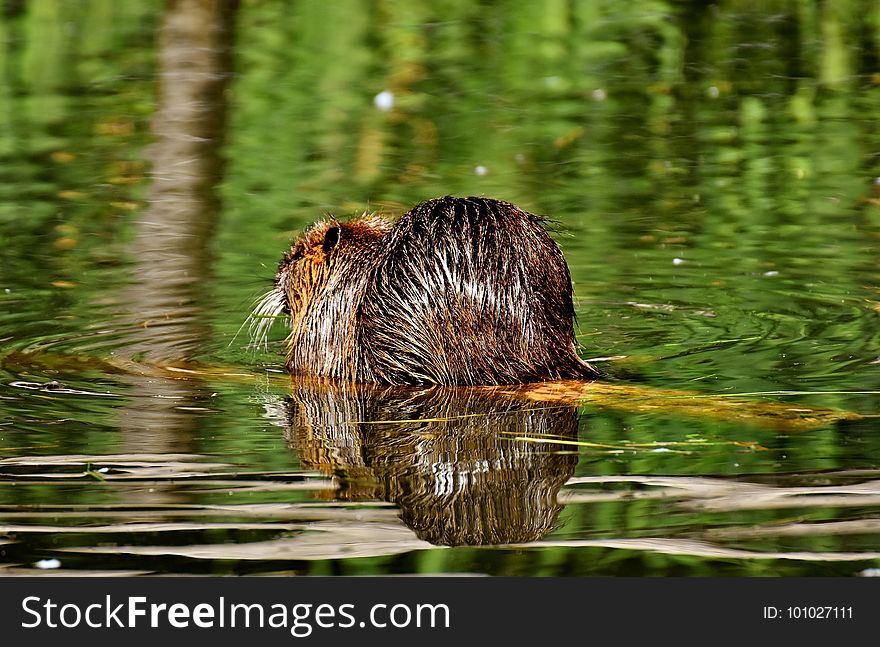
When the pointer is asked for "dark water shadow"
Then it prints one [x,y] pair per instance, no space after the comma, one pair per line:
[171,244]
[458,462]
[172,260]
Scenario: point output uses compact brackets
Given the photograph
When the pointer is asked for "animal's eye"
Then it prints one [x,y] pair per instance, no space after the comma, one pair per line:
[331,238]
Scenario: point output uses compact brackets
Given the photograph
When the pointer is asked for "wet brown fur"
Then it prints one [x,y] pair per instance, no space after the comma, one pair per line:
[460,291]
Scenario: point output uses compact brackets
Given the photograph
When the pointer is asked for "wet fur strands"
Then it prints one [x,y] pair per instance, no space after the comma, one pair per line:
[460,291]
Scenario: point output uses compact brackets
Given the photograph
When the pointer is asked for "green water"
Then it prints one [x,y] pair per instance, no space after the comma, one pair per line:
[713,174]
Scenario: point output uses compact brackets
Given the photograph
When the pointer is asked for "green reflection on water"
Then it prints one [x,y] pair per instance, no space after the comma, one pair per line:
[713,175]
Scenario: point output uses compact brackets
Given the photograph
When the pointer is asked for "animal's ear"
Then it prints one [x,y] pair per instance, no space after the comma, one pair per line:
[331,239]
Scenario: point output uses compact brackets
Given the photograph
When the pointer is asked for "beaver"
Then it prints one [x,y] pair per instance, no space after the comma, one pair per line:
[459,291]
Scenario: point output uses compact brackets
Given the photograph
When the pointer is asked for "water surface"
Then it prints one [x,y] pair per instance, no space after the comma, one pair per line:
[713,177]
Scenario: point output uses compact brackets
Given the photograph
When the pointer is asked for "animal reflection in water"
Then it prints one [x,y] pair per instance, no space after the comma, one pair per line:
[453,459]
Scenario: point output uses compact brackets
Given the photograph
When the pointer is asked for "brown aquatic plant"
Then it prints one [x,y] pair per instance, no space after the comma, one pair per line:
[459,291]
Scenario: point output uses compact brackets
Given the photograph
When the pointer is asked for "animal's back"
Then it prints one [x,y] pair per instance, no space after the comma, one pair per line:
[470,291]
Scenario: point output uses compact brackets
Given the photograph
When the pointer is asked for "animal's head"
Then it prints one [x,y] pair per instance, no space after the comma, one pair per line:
[318,282]
[304,272]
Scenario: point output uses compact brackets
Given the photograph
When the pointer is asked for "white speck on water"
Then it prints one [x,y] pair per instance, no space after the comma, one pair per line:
[103,470]
[771,273]
[46,564]
[599,94]
[678,261]
[481,170]
[384,101]
[7,290]
[870,572]
[713,92]
[661,449]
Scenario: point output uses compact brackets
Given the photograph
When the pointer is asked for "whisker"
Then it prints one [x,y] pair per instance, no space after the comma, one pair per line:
[268,308]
